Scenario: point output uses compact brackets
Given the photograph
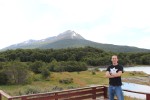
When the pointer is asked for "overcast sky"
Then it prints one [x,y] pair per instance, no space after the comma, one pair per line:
[120,22]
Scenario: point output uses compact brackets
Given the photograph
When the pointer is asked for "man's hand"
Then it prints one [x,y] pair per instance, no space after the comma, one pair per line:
[112,75]
[108,75]
[117,74]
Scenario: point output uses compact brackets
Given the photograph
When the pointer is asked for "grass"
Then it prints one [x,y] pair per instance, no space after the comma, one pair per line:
[80,79]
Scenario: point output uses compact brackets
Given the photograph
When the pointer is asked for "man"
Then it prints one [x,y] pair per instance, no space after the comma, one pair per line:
[114,73]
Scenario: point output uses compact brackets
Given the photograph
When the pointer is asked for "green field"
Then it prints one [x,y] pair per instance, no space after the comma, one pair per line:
[80,79]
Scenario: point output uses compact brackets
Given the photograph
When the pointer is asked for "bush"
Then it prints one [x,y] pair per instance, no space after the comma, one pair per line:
[56,88]
[35,67]
[66,81]
[16,73]
[69,66]
[96,69]
[45,72]
[71,87]
[32,90]
[3,78]
[93,72]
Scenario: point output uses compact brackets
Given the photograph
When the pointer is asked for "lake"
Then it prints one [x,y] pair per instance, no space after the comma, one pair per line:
[145,69]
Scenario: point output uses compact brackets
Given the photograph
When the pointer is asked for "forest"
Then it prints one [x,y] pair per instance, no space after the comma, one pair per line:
[20,66]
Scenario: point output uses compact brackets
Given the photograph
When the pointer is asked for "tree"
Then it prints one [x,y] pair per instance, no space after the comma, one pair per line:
[16,73]
[146,59]
[35,67]
[45,72]
[3,78]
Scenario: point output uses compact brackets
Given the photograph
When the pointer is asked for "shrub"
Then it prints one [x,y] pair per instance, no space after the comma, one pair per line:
[45,72]
[93,72]
[16,73]
[56,88]
[32,90]
[35,67]
[66,81]
[96,69]
[3,78]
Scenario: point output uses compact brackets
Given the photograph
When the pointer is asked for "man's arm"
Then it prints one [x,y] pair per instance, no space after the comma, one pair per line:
[108,75]
[117,74]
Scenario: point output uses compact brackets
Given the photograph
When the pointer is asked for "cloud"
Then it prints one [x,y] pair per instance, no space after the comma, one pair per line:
[116,22]
[132,13]
[79,11]
[143,42]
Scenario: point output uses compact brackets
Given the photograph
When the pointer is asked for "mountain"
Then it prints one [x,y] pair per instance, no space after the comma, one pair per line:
[69,39]
[68,43]
[31,44]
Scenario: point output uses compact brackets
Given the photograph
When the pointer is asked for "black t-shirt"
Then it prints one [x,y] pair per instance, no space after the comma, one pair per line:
[115,69]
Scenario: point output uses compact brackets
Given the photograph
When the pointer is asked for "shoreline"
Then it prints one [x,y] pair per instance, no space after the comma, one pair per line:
[126,66]
[142,80]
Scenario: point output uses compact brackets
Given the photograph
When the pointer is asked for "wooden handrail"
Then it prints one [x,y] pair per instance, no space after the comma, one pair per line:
[136,92]
[72,94]
[2,93]
[145,93]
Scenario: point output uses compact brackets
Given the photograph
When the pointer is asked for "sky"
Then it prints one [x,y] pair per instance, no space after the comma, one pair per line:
[119,22]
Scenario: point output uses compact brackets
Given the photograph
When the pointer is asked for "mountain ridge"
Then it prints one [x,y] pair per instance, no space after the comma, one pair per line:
[71,39]
[68,43]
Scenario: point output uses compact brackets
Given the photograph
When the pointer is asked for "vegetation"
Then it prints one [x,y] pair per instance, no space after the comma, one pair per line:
[26,71]
[21,65]
[61,81]
[14,73]
[88,55]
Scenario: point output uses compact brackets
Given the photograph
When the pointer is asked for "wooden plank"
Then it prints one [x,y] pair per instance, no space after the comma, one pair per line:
[99,89]
[74,94]
[80,98]
[147,96]
[4,94]
[78,94]
[39,98]
[0,96]
[136,92]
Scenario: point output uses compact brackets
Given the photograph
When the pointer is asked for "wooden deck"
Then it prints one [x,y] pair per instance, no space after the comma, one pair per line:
[86,93]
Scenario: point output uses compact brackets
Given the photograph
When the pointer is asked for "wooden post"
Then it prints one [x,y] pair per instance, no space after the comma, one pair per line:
[94,93]
[56,96]
[23,98]
[0,96]
[105,92]
[147,96]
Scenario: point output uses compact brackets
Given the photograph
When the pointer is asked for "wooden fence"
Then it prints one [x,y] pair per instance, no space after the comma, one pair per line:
[86,93]
[72,94]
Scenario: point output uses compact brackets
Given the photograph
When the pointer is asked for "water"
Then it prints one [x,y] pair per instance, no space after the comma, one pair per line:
[145,69]
[136,87]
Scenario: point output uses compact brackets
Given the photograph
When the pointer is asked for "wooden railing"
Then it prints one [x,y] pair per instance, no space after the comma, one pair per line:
[145,93]
[90,93]
[73,94]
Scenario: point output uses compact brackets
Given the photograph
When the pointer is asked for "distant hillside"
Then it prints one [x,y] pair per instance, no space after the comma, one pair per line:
[31,44]
[69,43]
[69,39]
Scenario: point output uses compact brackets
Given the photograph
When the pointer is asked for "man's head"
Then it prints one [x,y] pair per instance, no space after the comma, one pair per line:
[114,60]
